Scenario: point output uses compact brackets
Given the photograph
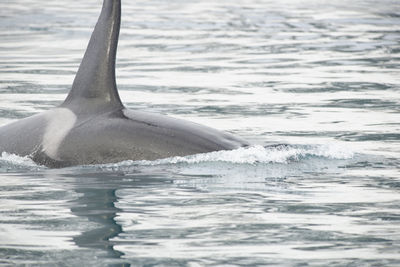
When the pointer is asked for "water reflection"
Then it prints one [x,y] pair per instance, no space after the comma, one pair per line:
[97,203]
[98,206]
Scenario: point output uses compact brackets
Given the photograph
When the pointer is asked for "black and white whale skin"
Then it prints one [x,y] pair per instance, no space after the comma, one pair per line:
[93,127]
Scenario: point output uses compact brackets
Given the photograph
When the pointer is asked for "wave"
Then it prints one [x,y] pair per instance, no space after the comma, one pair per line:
[12,161]
[282,154]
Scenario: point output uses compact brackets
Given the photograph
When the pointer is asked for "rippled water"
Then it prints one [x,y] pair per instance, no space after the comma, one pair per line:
[321,77]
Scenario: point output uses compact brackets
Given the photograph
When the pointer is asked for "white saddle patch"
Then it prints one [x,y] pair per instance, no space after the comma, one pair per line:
[60,121]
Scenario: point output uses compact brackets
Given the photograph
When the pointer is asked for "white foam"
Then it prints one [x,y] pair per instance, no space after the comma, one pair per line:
[258,154]
[284,154]
[12,159]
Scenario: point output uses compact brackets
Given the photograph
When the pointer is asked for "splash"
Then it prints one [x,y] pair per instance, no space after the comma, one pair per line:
[284,154]
[11,160]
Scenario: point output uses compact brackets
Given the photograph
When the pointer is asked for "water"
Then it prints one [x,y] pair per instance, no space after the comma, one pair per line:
[320,76]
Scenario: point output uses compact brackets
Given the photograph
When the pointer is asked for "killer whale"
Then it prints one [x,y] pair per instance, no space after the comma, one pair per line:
[92,126]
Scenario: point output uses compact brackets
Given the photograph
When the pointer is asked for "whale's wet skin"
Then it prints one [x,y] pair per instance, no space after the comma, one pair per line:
[92,125]
[321,78]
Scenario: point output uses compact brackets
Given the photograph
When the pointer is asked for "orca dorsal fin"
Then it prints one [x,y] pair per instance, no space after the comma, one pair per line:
[94,86]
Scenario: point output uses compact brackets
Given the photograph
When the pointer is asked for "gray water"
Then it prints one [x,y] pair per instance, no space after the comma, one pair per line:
[320,76]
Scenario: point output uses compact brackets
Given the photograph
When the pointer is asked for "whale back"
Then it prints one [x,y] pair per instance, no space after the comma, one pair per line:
[94,87]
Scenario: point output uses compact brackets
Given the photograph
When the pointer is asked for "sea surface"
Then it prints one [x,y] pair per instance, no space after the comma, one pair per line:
[321,78]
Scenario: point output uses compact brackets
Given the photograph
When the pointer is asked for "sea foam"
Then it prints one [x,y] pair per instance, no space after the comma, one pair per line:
[283,154]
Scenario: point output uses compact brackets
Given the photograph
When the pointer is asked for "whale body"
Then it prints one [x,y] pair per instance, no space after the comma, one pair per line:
[92,126]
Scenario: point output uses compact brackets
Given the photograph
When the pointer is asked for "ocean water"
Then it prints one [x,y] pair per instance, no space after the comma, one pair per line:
[313,84]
